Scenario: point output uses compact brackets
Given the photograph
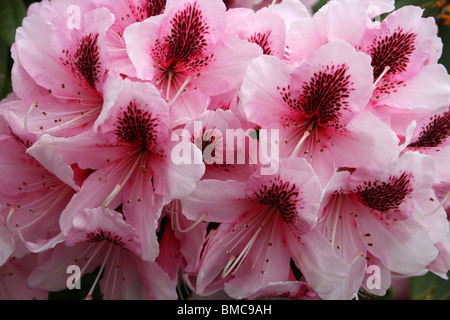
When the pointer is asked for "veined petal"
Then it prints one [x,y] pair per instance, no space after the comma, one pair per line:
[404,247]
[13,283]
[365,141]
[219,207]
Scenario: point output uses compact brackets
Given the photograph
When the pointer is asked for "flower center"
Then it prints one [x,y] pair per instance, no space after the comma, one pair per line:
[180,54]
[393,50]
[324,96]
[154,7]
[101,235]
[434,133]
[262,40]
[385,196]
[137,127]
[281,195]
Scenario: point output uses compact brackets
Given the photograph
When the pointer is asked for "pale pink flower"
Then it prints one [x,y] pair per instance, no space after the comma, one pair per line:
[431,137]
[101,237]
[373,211]
[127,12]
[132,157]
[265,223]
[318,108]
[265,27]
[404,49]
[32,197]
[115,153]
[338,19]
[186,49]
[60,66]
[229,151]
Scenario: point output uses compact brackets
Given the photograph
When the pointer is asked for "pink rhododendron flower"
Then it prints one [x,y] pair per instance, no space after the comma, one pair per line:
[374,211]
[265,27]
[33,197]
[318,107]
[205,149]
[62,81]
[220,136]
[432,136]
[264,223]
[100,237]
[127,12]
[179,59]
[133,163]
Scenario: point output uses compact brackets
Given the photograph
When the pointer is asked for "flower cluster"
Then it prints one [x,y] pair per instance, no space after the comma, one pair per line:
[255,149]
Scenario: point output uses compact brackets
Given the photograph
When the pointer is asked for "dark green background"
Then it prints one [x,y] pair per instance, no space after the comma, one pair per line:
[428,287]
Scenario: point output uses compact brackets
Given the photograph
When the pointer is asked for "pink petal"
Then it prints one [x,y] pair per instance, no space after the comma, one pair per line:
[14,284]
[6,244]
[404,247]
[224,207]
[321,267]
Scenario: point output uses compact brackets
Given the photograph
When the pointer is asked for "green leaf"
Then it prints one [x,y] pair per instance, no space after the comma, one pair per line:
[319,5]
[444,34]
[401,3]
[5,77]
[367,296]
[429,287]
[12,13]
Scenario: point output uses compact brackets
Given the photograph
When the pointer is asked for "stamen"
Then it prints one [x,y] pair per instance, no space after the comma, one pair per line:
[33,105]
[8,218]
[92,256]
[299,144]
[386,69]
[440,205]
[48,207]
[80,100]
[138,160]
[180,91]
[241,257]
[85,117]
[115,264]
[112,195]
[359,255]
[229,263]
[269,240]
[247,227]
[204,215]
[169,81]
[333,236]
[234,265]
[89,295]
